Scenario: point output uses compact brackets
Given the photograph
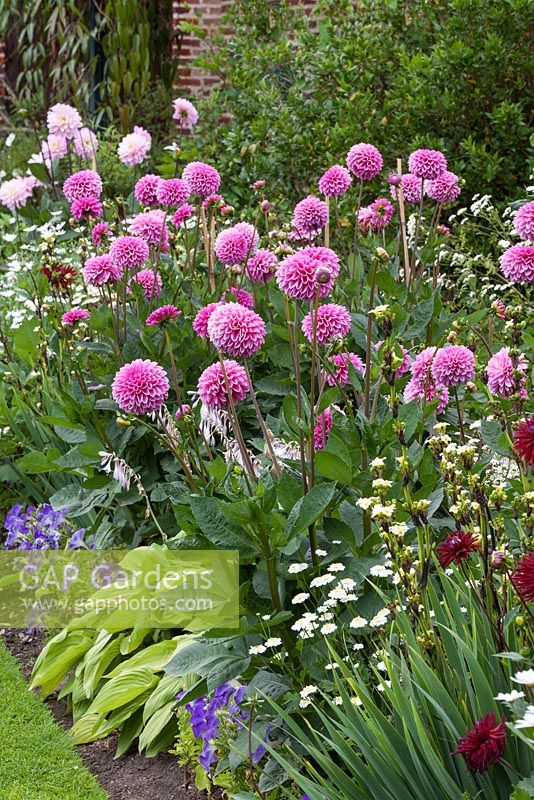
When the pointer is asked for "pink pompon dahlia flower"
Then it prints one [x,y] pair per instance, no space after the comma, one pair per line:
[235,330]
[85,143]
[146,188]
[140,387]
[427,164]
[162,315]
[134,147]
[524,440]
[422,385]
[335,181]
[296,276]
[340,371]
[54,148]
[484,744]
[172,192]
[182,213]
[214,383]
[86,208]
[200,323]
[100,270]
[73,316]
[185,113]
[523,577]
[16,192]
[233,245]
[411,189]
[517,263]
[202,179]
[240,296]
[503,379]
[365,161]
[149,280]
[63,120]
[322,429]
[333,322]
[310,216]
[444,189]
[453,366]
[129,252]
[524,221]
[324,257]
[381,213]
[86,183]
[261,266]
[151,226]
[100,230]
[457,547]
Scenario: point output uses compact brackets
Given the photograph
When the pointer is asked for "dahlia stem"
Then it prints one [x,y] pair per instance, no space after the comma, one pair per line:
[314,308]
[327,226]
[357,226]
[247,464]
[266,433]
[173,366]
[296,366]
[367,394]
[460,415]
[207,247]
[416,236]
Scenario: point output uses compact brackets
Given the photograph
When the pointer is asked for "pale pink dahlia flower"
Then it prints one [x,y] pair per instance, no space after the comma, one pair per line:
[161,315]
[340,372]
[54,147]
[212,384]
[261,266]
[524,221]
[411,189]
[140,387]
[86,207]
[427,164]
[240,296]
[200,323]
[182,213]
[16,192]
[63,120]
[310,216]
[453,365]
[517,263]
[333,322]
[322,429]
[296,276]
[146,188]
[203,179]
[185,113]
[149,280]
[233,245]
[134,147]
[364,161]
[73,316]
[335,181]
[151,226]
[129,252]
[444,189]
[500,373]
[100,230]
[172,192]
[100,270]
[85,143]
[422,385]
[236,330]
[86,183]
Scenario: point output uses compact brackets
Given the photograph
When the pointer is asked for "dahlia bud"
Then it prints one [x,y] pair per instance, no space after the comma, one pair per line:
[322,275]
[265,206]
[382,255]
[123,423]
[498,560]
[183,411]
[394,178]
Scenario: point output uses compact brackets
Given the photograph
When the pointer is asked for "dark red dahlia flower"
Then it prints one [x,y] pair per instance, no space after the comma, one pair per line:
[523,577]
[524,440]
[484,744]
[61,276]
[456,547]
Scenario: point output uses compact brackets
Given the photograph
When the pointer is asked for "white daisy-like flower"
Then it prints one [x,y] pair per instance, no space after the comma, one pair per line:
[525,677]
[358,622]
[337,567]
[321,553]
[528,719]
[294,569]
[377,463]
[328,628]
[308,690]
[358,646]
[257,649]
[380,618]
[356,701]
[509,697]
[274,641]
[338,701]
[380,571]
[366,502]
[322,580]
[300,598]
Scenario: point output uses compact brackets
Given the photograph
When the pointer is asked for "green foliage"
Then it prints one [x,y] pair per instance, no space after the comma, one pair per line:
[33,745]
[300,88]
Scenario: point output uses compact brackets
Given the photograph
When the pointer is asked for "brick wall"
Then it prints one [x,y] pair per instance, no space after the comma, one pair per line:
[207,14]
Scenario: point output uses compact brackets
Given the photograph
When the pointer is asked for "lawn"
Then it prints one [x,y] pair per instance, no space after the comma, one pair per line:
[37,759]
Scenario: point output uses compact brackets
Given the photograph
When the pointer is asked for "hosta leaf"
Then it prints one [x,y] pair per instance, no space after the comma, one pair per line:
[122,689]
